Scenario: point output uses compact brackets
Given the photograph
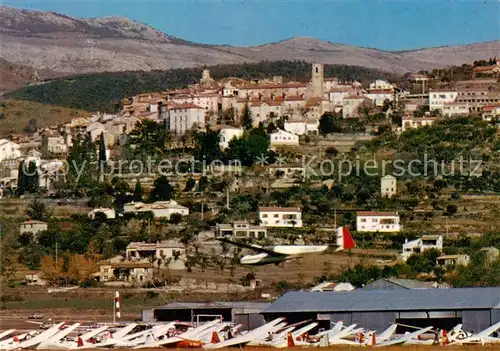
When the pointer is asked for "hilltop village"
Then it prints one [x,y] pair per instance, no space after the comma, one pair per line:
[139,197]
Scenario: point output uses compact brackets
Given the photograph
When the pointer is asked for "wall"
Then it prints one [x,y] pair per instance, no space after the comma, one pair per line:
[476,320]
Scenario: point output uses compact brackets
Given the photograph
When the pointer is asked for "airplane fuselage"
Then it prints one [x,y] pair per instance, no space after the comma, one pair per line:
[285,252]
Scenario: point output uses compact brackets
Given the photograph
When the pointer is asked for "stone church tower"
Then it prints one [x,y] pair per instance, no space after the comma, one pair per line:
[317,80]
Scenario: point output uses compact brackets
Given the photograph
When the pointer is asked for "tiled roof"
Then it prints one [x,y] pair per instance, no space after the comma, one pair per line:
[279,209]
[374,213]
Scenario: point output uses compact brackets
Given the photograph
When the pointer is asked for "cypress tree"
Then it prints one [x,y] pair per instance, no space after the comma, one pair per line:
[21,179]
[138,191]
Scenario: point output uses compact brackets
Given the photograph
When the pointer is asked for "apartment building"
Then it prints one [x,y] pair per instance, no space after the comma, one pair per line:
[422,244]
[181,118]
[169,251]
[280,216]
[388,186]
[437,98]
[9,150]
[453,260]
[240,230]
[368,221]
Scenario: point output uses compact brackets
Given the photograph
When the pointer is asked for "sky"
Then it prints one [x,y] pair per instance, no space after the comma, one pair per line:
[382,24]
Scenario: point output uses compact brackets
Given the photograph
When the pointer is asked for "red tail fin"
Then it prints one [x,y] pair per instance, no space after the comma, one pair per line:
[361,337]
[291,343]
[215,338]
[348,240]
[444,339]
[374,339]
[80,342]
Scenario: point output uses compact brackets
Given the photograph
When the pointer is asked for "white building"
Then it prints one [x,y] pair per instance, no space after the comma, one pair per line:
[54,145]
[32,226]
[282,138]
[302,127]
[160,209]
[491,112]
[170,250]
[388,186]
[437,98]
[451,109]
[227,134]
[453,260]
[9,150]
[410,122]
[367,221]
[108,212]
[381,84]
[184,117]
[417,246]
[280,216]
[241,229]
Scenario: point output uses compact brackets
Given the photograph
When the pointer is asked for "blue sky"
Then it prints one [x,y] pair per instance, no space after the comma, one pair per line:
[383,24]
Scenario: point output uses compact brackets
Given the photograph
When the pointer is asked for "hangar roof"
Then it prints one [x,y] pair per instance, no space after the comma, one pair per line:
[387,300]
[214,305]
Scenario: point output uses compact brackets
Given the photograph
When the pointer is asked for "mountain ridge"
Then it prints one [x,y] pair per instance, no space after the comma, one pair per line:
[50,41]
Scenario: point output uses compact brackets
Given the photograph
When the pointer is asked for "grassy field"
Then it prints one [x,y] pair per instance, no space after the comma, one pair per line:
[17,114]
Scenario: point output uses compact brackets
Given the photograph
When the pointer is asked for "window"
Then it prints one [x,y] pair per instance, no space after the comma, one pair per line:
[363,220]
[374,220]
[264,215]
[276,216]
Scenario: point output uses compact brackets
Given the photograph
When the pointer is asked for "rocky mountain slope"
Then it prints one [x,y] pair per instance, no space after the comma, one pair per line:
[56,42]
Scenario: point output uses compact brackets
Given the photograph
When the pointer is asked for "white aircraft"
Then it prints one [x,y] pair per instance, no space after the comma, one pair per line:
[5,333]
[189,338]
[33,340]
[483,337]
[54,340]
[373,339]
[279,253]
[295,337]
[405,338]
[256,334]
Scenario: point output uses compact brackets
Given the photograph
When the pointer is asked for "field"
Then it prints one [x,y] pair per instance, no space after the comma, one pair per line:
[17,114]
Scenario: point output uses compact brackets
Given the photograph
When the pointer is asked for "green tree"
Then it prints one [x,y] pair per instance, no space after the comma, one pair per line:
[328,124]
[138,191]
[37,210]
[162,190]
[247,120]
[102,156]
[32,126]
[190,184]
[149,138]
[32,180]
[208,146]
[21,178]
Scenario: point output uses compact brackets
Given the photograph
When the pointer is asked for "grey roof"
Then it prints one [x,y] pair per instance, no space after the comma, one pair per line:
[403,283]
[215,304]
[387,300]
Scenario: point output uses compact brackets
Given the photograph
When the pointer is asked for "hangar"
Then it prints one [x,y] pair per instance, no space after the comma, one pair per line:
[245,313]
[475,308]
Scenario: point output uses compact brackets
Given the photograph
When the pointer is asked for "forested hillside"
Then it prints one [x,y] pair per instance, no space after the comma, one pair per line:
[102,91]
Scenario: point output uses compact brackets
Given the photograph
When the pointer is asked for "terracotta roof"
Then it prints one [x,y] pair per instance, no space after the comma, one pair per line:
[274,86]
[340,90]
[374,214]
[180,106]
[293,98]
[490,107]
[484,68]
[279,209]
[32,221]
[379,91]
[354,97]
